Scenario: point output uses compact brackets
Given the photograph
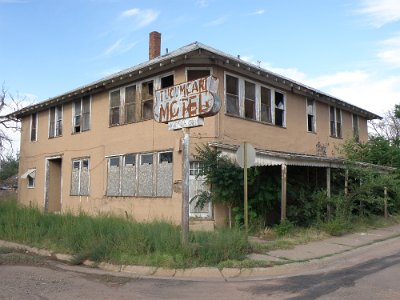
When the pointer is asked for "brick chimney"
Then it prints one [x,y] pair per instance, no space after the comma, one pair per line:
[154,44]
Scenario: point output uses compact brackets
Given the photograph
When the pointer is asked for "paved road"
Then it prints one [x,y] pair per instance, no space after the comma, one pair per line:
[371,272]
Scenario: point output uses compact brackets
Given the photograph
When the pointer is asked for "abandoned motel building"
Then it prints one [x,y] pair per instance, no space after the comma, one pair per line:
[99,149]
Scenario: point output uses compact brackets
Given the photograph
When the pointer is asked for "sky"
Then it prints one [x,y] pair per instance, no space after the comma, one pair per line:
[349,49]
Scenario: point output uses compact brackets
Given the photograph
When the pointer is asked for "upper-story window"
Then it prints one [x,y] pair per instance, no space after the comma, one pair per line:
[335,118]
[311,115]
[147,100]
[266,114]
[195,73]
[232,95]
[81,115]
[254,101]
[123,105]
[279,109]
[356,130]
[55,122]
[34,125]
[249,100]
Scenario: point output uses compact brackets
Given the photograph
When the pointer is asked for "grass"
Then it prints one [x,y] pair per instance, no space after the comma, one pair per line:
[9,256]
[116,240]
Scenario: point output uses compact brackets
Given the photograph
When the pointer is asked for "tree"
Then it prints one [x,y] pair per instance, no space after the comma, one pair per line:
[9,167]
[8,104]
[389,127]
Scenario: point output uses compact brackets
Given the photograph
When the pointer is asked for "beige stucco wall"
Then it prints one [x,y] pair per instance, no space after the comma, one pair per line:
[102,141]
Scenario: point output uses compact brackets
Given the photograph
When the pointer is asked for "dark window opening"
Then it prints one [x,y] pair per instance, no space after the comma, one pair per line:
[195,74]
[279,109]
[167,81]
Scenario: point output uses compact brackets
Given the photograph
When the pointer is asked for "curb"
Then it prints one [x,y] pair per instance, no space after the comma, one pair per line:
[200,273]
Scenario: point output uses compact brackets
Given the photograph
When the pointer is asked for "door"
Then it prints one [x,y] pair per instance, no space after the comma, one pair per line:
[53,185]
[196,185]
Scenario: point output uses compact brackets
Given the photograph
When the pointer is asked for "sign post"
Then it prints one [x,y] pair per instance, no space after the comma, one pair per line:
[183,106]
[245,157]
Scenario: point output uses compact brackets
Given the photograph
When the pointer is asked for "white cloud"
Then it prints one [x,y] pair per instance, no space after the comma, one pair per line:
[202,3]
[141,17]
[257,12]
[390,52]
[380,12]
[119,47]
[360,88]
[217,21]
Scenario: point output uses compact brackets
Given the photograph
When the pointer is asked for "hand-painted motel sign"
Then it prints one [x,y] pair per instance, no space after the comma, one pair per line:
[185,104]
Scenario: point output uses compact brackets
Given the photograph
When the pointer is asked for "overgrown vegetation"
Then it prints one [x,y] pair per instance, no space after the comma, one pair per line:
[9,167]
[112,239]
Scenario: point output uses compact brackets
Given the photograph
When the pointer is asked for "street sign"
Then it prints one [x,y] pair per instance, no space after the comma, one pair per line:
[251,155]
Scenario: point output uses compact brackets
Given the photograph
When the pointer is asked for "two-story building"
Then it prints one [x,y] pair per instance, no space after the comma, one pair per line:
[98,149]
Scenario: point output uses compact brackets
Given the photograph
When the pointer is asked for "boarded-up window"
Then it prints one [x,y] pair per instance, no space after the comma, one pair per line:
[164,174]
[147,100]
[113,178]
[80,179]
[266,115]
[279,109]
[232,95]
[146,175]
[130,103]
[128,175]
[250,100]
[115,103]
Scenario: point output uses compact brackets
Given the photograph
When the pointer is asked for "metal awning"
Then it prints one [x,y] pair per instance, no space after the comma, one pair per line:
[277,158]
[31,173]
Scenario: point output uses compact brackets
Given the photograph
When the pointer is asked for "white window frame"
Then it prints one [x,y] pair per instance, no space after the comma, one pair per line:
[81,115]
[241,95]
[314,114]
[80,160]
[356,135]
[56,120]
[335,118]
[32,121]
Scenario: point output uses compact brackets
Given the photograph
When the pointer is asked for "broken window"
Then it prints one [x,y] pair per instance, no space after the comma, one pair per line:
[115,103]
[335,116]
[147,100]
[80,180]
[266,115]
[164,174]
[279,109]
[34,123]
[356,132]
[249,100]
[310,115]
[193,74]
[232,95]
[81,115]
[146,175]
[167,81]
[130,104]
[55,122]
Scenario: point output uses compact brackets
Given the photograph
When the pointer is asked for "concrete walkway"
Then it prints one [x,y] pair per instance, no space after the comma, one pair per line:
[315,255]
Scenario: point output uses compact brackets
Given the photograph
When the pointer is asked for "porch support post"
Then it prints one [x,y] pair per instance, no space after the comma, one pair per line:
[283,191]
[328,190]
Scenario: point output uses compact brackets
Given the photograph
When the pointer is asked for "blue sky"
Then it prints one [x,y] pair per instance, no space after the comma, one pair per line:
[347,48]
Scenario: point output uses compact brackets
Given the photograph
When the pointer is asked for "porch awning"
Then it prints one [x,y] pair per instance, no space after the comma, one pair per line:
[31,173]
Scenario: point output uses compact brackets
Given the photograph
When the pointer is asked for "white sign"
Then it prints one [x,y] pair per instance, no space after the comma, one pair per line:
[186,123]
[251,155]
[186,100]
